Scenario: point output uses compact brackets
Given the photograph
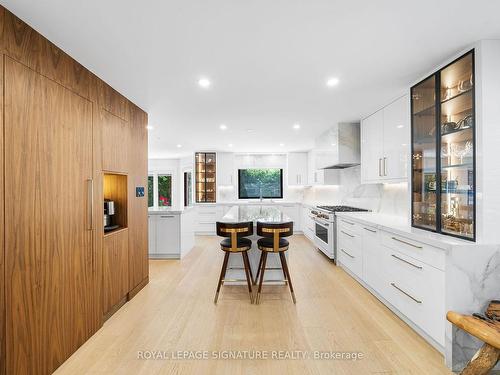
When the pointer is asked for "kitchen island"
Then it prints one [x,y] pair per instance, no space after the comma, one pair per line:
[255,213]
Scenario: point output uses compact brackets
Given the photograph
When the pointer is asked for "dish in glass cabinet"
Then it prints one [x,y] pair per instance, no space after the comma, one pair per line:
[465,123]
[465,85]
[449,126]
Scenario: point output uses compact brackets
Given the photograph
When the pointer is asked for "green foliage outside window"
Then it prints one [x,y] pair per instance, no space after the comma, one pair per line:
[264,182]
[150,192]
[164,190]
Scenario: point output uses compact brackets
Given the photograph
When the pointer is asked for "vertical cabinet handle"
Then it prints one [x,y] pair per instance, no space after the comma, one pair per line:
[90,203]
[385,166]
[379,167]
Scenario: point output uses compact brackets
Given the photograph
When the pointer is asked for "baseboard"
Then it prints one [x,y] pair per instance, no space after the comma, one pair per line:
[138,288]
[115,308]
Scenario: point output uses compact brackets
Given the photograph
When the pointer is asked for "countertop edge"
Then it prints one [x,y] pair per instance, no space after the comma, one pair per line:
[408,232]
[170,211]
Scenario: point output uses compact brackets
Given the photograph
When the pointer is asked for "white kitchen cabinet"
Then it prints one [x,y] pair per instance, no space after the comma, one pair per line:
[297,169]
[407,275]
[293,211]
[206,217]
[307,223]
[384,143]
[396,139]
[225,169]
[372,145]
[152,234]
[168,236]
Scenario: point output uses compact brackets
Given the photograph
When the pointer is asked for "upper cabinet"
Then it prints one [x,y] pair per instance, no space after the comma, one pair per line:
[206,171]
[443,150]
[225,169]
[297,169]
[385,143]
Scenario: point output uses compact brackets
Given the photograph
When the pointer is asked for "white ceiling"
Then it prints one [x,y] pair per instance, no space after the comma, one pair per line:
[268,60]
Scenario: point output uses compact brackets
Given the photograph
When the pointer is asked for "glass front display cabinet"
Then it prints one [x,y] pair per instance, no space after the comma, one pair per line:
[205,177]
[443,150]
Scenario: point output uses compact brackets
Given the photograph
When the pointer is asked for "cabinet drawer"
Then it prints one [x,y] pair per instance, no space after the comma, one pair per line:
[205,227]
[417,250]
[349,226]
[349,251]
[417,290]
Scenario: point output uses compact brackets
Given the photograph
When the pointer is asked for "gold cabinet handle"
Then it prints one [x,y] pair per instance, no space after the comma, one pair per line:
[90,203]
[350,235]
[405,261]
[379,167]
[370,230]
[385,166]
[405,293]
[346,253]
[407,243]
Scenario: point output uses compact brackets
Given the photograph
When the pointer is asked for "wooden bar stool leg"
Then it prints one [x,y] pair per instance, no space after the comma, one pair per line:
[222,275]
[249,268]
[246,263]
[258,269]
[287,273]
[263,268]
[483,361]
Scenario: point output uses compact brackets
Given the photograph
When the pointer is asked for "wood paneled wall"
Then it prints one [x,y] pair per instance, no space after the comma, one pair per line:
[65,80]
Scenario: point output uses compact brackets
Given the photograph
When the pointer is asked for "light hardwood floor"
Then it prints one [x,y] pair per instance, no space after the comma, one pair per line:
[176,312]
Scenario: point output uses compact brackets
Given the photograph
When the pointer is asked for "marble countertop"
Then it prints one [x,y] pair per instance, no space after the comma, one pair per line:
[399,225]
[169,210]
[254,213]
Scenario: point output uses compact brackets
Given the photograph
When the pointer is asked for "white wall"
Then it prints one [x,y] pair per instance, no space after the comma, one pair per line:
[173,167]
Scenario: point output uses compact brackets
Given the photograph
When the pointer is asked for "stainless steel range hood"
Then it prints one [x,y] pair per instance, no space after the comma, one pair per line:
[339,147]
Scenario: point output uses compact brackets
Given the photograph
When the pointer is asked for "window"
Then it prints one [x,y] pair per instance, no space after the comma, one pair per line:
[150,191]
[164,190]
[256,183]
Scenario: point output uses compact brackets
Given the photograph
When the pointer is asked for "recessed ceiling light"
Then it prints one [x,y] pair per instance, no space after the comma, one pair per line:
[230,145]
[282,144]
[296,126]
[179,146]
[222,127]
[249,130]
[204,82]
[333,81]
[334,144]
[400,126]
[150,127]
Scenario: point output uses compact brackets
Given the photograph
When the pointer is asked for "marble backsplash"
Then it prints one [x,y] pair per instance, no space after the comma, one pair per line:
[471,282]
[389,199]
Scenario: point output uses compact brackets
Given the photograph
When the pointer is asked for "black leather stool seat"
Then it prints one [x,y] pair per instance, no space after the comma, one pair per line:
[242,244]
[266,244]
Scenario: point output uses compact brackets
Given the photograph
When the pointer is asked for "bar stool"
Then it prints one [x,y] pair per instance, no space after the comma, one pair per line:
[235,243]
[272,241]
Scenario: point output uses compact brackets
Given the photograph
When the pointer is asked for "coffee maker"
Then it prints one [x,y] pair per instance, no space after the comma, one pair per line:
[109,212]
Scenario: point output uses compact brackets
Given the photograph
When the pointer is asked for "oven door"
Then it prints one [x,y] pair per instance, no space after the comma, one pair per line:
[322,236]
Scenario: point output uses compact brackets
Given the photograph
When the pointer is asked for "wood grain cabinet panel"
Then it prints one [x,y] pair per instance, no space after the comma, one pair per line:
[115,268]
[138,206]
[48,162]
[115,139]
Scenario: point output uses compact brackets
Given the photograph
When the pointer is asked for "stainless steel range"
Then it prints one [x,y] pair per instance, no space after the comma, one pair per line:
[325,227]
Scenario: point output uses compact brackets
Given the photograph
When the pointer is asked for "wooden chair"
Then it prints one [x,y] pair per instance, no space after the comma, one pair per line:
[272,241]
[487,329]
[235,242]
